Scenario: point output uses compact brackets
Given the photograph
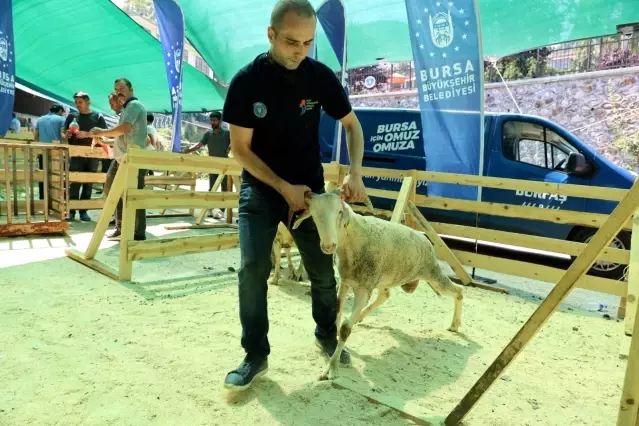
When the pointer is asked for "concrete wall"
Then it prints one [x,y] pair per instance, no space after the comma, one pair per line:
[599,107]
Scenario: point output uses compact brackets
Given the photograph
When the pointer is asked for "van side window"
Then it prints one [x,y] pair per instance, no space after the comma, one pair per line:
[534,144]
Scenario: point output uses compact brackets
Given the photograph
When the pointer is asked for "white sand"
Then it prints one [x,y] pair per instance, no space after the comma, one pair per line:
[79,348]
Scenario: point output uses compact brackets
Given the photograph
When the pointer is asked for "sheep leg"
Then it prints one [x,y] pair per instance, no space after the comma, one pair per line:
[361,298]
[299,275]
[276,258]
[382,296]
[291,265]
[443,286]
[341,296]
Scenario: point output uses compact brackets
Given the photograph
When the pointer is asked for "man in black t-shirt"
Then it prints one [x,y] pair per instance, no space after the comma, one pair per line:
[273,109]
[86,120]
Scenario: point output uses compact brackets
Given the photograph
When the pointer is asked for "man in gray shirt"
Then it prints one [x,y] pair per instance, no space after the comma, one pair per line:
[131,130]
[218,142]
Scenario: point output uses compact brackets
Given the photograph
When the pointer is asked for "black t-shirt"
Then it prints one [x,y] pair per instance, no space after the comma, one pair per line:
[86,123]
[283,109]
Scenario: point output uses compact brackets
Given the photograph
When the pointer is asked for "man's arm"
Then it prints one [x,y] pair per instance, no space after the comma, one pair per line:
[120,130]
[193,148]
[354,142]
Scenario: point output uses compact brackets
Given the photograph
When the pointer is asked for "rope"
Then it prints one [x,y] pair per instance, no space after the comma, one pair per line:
[494,62]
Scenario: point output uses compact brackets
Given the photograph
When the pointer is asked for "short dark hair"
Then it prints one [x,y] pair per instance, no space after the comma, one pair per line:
[13,115]
[302,8]
[82,95]
[149,118]
[56,108]
[215,114]
[125,81]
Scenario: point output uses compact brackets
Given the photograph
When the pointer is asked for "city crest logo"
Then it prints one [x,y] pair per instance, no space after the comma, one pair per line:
[441,29]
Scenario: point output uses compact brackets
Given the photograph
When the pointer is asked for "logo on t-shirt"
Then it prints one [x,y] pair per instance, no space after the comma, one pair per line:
[259,109]
[306,105]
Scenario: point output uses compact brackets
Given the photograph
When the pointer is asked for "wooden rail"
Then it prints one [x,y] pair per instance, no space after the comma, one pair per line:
[187,179]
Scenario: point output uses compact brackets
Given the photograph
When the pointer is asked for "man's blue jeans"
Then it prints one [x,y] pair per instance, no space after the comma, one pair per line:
[260,210]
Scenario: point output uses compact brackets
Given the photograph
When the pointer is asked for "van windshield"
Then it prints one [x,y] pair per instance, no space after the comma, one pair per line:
[535,144]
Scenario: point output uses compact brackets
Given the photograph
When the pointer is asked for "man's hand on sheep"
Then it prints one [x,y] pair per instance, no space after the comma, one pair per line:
[353,190]
[295,196]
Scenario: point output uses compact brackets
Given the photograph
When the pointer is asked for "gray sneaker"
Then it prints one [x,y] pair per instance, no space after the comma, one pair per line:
[328,348]
[251,368]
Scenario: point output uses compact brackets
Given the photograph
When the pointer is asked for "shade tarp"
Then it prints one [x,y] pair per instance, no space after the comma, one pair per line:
[231,35]
[63,46]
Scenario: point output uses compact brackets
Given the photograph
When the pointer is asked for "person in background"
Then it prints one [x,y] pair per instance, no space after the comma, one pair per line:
[48,128]
[218,142]
[152,141]
[86,120]
[15,124]
[131,130]
[273,109]
[105,163]
[30,126]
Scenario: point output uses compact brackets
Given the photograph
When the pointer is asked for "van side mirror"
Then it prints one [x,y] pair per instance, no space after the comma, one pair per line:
[576,164]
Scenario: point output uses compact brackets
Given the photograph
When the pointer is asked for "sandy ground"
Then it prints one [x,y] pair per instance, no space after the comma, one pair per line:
[79,348]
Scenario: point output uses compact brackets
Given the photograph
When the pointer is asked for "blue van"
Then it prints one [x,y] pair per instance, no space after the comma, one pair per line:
[516,146]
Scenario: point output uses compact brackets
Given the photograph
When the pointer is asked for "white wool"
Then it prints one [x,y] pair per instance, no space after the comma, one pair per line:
[374,254]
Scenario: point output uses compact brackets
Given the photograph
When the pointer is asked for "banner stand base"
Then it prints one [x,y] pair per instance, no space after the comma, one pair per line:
[483,279]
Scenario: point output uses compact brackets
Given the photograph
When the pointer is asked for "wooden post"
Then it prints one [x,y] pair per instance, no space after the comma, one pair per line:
[214,188]
[115,193]
[408,218]
[7,183]
[27,185]
[45,183]
[621,311]
[439,244]
[402,199]
[128,222]
[579,267]
[15,181]
[633,278]
[192,187]
[630,392]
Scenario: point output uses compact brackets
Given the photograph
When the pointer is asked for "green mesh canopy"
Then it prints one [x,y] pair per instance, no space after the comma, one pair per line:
[63,46]
[230,34]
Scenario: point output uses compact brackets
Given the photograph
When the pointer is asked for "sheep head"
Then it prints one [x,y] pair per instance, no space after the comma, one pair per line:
[330,214]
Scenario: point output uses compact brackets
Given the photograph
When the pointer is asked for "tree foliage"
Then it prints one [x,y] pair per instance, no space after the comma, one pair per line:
[143,8]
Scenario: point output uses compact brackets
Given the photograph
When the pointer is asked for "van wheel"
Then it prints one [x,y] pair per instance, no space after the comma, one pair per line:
[605,269]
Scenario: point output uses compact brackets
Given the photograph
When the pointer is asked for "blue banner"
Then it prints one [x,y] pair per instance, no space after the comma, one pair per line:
[332,15]
[171,24]
[446,44]
[7,66]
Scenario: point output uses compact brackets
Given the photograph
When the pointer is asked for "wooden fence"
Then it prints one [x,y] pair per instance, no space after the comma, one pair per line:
[23,167]
[165,180]
[406,210]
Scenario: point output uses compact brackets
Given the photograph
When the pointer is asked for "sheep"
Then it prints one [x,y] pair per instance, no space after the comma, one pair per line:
[373,254]
[284,240]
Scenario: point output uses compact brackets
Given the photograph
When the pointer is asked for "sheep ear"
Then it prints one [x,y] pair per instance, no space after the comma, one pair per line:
[347,211]
[305,215]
